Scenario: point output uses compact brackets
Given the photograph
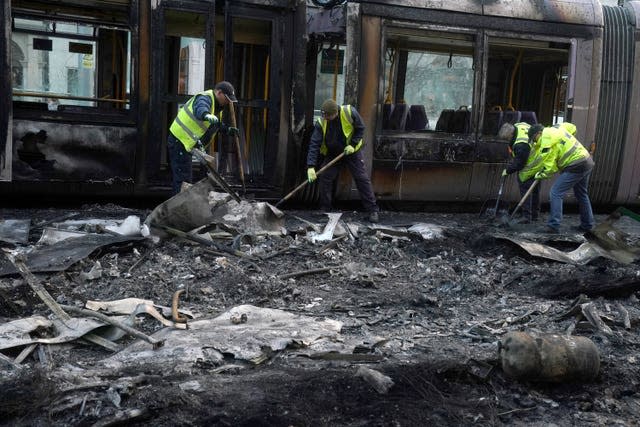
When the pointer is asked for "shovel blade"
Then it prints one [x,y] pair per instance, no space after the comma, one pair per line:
[489,210]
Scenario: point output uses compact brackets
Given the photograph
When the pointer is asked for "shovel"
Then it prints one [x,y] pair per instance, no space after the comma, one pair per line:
[489,212]
[301,186]
[521,202]
[232,111]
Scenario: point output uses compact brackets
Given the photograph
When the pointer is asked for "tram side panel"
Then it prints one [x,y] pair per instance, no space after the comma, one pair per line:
[628,190]
[436,94]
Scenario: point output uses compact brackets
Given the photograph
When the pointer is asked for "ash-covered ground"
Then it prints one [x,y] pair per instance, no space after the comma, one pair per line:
[425,313]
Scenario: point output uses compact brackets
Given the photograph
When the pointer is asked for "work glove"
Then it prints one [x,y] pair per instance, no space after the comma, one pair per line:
[199,145]
[504,172]
[231,131]
[349,150]
[311,175]
[211,119]
[541,175]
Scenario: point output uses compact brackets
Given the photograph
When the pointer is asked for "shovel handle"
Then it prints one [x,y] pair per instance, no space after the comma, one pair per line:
[502,180]
[304,183]
[526,195]
[232,111]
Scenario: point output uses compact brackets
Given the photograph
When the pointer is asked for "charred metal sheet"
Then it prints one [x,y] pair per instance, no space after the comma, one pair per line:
[14,230]
[329,22]
[62,255]
[200,205]
[464,6]
[412,181]
[485,181]
[186,210]
[105,11]
[71,152]
[283,4]
[465,20]
[584,254]
[583,12]
[38,329]
[264,328]
[352,58]
[491,152]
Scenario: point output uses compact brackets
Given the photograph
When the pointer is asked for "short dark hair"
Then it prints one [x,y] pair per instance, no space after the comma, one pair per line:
[535,129]
[329,107]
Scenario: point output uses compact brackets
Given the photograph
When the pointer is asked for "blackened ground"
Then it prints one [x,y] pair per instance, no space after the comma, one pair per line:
[439,312]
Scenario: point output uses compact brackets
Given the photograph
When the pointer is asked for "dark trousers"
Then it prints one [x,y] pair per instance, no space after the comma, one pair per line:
[180,162]
[355,163]
[531,206]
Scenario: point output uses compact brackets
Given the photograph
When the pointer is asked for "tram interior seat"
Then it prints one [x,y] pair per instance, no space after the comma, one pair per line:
[444,123]
[494,119]
[529,117]
[417,119]
[492,122]
[461,122]
[454,121]
[398,117]
[510,116]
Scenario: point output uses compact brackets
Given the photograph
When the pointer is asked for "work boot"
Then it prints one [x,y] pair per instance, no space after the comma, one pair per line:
[373,217]
[580,229]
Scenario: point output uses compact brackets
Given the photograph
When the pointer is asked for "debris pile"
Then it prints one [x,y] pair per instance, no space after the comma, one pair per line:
[209,310]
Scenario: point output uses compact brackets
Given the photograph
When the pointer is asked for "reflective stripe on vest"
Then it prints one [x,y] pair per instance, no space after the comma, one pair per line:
[346,120]
[522,137]
[567,138]
[186,127]
[534,160]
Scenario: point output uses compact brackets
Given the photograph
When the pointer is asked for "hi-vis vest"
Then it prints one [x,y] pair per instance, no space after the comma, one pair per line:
[569,127]
[534,161]
[561,149]
[347,127]
[186,127]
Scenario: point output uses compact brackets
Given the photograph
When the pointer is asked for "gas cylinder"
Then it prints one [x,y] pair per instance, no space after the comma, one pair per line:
[549,357]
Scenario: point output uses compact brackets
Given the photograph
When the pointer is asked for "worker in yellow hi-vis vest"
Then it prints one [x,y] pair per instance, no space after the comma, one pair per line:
[200,118]
[340,130]
[563,153]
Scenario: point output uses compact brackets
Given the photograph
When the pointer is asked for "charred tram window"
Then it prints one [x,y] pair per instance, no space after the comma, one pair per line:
[526,82]
[330,72]
[62,63]
[429,80]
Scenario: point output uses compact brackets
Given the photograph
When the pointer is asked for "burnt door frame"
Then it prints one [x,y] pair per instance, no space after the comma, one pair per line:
[161,98]
[273,104]
[6,87]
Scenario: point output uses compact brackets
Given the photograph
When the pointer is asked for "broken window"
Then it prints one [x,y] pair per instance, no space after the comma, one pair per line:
[70,63]
[428,81]
[330,72]
[185,41]
[526,82]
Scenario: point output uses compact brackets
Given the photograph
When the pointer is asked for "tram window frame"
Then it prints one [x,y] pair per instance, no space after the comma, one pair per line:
[539,54]
[445,49]
[330,74]
[88,52]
